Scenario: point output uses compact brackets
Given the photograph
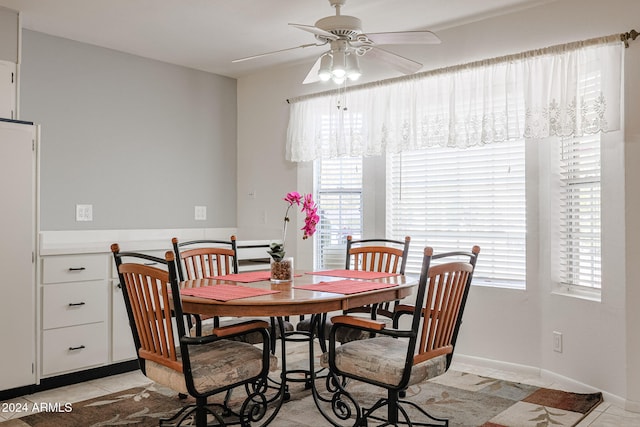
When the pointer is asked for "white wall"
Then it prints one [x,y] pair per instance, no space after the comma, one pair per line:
[8,35]
[601,339]
[632,222]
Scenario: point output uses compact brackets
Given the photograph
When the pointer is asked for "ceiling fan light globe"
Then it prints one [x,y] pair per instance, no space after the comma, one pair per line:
[324,75]
[338,80]
[339,73]
[324,72]
[354,75]
[353,68]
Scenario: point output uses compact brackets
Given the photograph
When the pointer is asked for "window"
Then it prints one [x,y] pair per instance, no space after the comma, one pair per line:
[338,184]
[449,199]
[580,212]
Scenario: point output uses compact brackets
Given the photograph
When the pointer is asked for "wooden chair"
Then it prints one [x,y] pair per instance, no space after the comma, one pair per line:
[198,366]
[396,358]
[215,258]
[380,255]
[208,258]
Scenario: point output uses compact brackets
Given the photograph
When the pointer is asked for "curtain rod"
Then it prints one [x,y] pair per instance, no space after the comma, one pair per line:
[624,37]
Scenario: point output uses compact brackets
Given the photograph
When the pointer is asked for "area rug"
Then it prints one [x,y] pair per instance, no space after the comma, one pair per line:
[465,399]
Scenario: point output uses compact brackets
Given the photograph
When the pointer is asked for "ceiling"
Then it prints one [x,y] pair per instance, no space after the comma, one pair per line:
[208,34]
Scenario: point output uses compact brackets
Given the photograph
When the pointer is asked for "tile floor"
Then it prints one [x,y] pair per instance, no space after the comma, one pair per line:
[605,415]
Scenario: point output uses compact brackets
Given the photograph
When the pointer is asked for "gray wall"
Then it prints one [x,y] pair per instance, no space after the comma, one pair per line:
[142,141]
[8,35]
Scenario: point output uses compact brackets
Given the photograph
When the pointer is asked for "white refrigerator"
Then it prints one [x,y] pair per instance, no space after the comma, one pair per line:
[18,198]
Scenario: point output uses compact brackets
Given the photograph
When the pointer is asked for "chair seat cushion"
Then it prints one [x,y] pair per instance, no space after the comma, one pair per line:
[382,359]
[213,365]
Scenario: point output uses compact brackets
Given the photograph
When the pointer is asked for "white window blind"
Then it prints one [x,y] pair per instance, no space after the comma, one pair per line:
[452,199]
[580,256]
[338,184]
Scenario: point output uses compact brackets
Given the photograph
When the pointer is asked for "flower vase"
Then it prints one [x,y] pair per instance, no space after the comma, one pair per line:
[282,271]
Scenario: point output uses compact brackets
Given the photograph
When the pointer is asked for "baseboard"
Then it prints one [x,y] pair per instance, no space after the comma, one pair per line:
[496,364]
[632,406]
[72,378]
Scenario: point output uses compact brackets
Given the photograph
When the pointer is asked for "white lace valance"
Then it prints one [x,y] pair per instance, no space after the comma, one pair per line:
[567,90]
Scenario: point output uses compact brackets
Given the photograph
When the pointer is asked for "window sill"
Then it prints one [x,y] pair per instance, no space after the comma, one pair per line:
[485,283]
[594,295]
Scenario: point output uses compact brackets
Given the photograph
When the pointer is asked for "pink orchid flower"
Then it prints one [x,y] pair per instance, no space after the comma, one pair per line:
[293,197]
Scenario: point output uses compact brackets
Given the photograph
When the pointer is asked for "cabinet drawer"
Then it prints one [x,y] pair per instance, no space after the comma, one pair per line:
[68,304]
[74,268]
[74,348]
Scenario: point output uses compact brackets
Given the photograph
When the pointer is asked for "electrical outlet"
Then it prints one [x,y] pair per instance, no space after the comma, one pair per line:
[201,213]
[557,342]
[84,212]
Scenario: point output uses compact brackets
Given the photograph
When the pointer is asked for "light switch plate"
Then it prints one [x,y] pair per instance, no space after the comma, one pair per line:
[201,213]
[84,212]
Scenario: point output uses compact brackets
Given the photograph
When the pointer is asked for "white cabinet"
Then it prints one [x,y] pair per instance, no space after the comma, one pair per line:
[83,319]
[7,90]
[122,347]
[17,252]
[75,303]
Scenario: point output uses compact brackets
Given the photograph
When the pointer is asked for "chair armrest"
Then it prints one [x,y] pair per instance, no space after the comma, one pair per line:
[227,331]
[403,309]
[399,310]
[358,321]
[239,328]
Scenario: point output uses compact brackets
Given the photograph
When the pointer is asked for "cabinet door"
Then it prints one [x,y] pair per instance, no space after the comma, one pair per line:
[17,250]
[7,90]
[122,347]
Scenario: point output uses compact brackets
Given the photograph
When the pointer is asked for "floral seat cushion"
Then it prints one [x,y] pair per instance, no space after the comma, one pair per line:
[213,365]
[382,359]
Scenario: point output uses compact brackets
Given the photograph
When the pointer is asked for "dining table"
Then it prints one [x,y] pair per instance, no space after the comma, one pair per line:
[314,293]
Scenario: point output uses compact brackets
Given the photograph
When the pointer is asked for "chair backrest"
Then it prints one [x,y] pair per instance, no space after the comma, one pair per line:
[382,255]
[444,285]
[207,258]
[149,293]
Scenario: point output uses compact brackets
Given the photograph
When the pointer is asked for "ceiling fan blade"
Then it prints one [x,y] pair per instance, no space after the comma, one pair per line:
[404,37]
[312,75]
[315,30]
[393,60]
[276,51]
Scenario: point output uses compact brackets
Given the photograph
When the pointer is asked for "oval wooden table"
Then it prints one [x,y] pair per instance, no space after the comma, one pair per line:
[289,300]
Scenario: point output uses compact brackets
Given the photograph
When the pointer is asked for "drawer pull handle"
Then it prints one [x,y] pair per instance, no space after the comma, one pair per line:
[77,268]
[150,263]
[75,304]
[76,348]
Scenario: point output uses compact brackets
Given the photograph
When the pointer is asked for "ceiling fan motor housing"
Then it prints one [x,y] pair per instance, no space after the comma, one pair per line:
[343,26]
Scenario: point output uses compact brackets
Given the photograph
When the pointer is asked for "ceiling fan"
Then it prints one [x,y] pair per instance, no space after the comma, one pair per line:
[346,40]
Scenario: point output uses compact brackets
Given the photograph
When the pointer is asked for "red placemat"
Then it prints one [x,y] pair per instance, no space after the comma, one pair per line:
[225,292]
[247,277]
[346,286]
[354,274]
